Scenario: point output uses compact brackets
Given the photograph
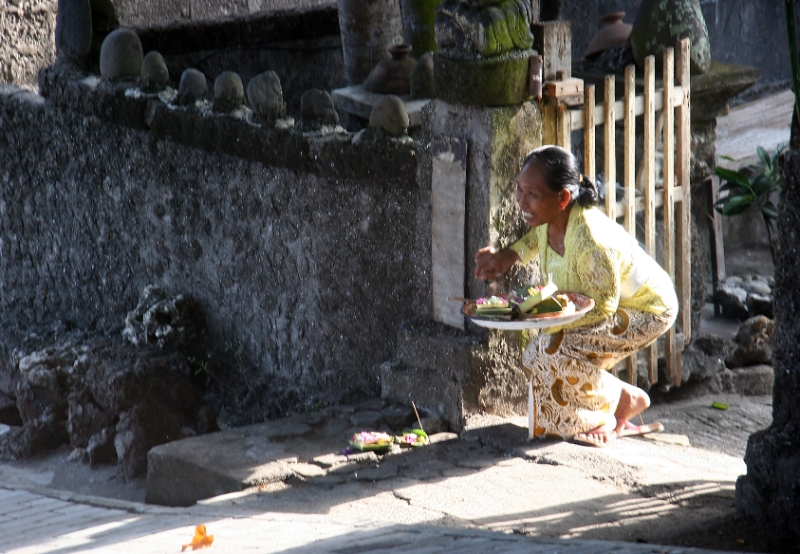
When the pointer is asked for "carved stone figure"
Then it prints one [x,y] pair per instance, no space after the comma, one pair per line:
[485,27]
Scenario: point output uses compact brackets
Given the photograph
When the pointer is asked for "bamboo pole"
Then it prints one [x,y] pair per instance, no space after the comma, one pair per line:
[683,216]
[563,117]
[668,142]
[589,132]
[629,162]
[609,151]
[629,169]
[649,161]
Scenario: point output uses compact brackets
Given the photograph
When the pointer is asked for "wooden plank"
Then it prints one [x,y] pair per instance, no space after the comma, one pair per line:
[629,168]
[631,365]
[668,212]
[648,166]
[448,216]
[553,41]
[638,203]
[571,86]
[717,244]
[563,137]
[683,217]
[589,133]
[619,108]
[550,123]
[609,151]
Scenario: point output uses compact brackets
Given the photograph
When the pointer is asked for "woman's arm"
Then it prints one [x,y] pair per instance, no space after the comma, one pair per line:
[490,264]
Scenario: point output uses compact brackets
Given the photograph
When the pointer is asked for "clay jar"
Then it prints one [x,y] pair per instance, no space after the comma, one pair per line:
[613,33]
[392,76]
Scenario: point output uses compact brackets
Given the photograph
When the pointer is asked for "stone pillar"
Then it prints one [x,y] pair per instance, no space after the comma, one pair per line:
[710,95]
[769,493]
[448,371]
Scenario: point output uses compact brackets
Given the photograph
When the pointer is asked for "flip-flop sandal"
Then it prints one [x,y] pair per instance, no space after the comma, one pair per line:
[632,430]
[591,442]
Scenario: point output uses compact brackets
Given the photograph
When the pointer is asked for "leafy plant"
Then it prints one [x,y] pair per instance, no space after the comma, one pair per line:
[753,185]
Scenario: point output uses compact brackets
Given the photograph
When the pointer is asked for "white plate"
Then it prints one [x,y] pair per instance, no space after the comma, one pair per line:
[583,304]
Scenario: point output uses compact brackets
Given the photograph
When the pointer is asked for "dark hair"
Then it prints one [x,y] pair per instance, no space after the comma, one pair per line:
[560,171]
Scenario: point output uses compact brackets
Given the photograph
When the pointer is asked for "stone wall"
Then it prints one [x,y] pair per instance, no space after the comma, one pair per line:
[302,268]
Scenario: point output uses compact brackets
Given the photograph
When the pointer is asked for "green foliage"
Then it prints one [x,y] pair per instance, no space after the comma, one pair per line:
[753,185]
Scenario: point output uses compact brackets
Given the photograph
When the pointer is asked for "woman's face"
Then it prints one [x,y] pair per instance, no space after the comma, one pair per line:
[538,203]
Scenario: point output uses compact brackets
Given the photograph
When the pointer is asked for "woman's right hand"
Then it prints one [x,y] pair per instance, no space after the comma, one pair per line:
[490,264]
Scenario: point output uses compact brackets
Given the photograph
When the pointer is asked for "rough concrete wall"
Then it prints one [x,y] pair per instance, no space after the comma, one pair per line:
[26,40]
[301,278]
[246,36]
[145,13]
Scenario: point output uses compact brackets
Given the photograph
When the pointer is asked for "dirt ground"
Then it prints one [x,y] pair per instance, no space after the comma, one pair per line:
[636,490]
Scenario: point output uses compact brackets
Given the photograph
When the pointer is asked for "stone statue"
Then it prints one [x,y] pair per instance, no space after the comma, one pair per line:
[484,27]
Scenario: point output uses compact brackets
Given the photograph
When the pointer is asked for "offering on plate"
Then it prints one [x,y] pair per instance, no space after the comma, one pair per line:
[524,301]
[492,306]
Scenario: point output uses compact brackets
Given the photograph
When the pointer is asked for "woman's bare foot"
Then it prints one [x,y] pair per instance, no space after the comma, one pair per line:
[600,436]
[632,402]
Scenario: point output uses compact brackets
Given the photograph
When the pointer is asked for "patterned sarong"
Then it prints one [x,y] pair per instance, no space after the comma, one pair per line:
[573,391]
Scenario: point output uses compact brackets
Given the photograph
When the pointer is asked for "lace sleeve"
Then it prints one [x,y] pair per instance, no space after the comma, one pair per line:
[527,247]
[599,275]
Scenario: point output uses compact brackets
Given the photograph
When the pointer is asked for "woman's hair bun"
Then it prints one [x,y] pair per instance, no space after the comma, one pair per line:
[560,171]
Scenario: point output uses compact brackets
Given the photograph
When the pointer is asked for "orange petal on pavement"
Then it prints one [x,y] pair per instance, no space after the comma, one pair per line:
[200,539]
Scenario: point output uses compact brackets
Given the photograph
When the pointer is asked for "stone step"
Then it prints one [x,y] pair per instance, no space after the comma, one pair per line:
[435,393]
[431,345]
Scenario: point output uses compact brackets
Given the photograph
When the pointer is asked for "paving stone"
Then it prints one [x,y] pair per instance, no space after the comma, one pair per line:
[754,380]
[437,438]
[668,438]
[330,460]
[430,469]
[308,470]
[182,472]
[362,457]
[376,472]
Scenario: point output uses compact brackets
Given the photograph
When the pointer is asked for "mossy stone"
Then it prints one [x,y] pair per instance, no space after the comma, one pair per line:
[192,87]
[265,95]
[660,24]
[317,109]
[155,74]
[477,81]
[390,115]
[228,92]
[121,55]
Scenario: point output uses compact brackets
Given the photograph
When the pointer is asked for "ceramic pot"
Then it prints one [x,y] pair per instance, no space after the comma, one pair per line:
[418,24]
[393,76]
[368,28]
[660,24]
[613,33]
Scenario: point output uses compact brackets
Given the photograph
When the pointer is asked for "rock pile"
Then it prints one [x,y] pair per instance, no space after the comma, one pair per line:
[745,297]
[110,400]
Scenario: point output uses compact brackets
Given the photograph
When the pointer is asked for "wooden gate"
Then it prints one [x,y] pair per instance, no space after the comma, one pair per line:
[665,112]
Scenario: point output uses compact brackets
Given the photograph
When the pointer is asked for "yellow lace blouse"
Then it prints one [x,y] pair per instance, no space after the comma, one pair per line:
[602,261]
